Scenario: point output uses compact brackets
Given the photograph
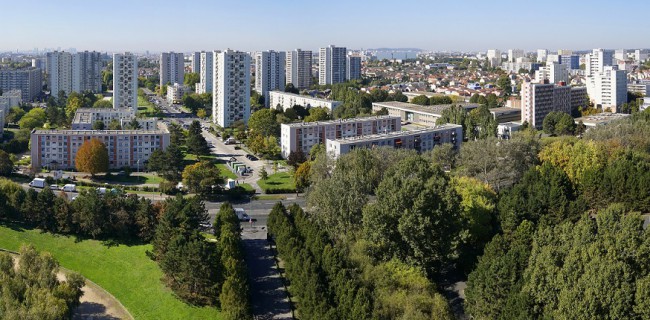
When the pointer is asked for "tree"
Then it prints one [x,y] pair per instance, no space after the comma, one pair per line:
[6,165]
[296,158]
[263,174]
[201,113]
[15,114]
[455,114]
[196,142]
[134,124]
[74,102]
[264,122]
[203,178]
[98,125]
[191,79]
[92,157]
[291,89]
[301,177]
[480,124]
[559,123]
[421,100]
[114,125]
[504,84]
[102,104]
[382,112]
[35,118]
[317,114]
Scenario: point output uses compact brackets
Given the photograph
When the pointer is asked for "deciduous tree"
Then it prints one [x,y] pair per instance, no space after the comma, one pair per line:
[92,157]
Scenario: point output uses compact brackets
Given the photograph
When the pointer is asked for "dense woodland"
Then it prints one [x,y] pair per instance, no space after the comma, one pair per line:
[541,228]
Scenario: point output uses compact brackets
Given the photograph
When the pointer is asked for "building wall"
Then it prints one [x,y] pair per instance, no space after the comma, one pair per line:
[125,81]
[288,100]
[608,89]
[419,140]
[28,81]
[125,148]
[299,68]
[195,58]
[353,68]
[332,65]
[10,99]
[304,136]
[76,72]
[231,88]
[206,73]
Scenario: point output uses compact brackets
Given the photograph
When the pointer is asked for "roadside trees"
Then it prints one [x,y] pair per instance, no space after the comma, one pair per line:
[92,157]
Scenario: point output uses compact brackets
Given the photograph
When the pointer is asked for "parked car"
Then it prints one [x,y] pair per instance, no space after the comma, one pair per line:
[251,157]
[230,141]
[55,187]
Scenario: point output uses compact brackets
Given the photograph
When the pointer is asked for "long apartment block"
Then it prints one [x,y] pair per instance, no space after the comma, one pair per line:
[286,100]
[419,140]
[57,149]
[303,136]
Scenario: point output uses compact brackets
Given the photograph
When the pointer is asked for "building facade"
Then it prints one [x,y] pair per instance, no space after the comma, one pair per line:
[206,72]
[597,60]
[175,93]
[303,136]
[29,81]
[299,68]
[423,115]
[195,60]
[332,65]
[571,61]
[608,89]
[494,57]
[269,73]
[172,68]
[57,149]
[541,55]
[10,99]
[231,88]
[513,54]
[284,100]
[419,140]
[539,99]
[125,81]
[554,73]
[74,72]
[353,68]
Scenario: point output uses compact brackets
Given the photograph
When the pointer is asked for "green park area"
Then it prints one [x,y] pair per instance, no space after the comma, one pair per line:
[123,270]
[280,182]
[130,179]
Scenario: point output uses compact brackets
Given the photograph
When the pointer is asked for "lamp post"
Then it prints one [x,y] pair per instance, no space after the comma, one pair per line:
[138,162]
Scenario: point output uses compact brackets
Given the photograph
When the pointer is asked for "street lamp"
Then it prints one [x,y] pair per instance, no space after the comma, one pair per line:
[138,162]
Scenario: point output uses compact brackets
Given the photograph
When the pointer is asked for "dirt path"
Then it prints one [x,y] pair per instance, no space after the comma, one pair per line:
[95,303]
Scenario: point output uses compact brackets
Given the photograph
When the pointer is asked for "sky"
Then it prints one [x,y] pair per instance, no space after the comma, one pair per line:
[251,25]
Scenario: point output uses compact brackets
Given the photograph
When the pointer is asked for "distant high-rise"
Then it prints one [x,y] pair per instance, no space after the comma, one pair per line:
[28,81]
[206,72]
[299,68]
[125,81]
[538,99]
[597,60]
[353,71]
[541,55]
[332,65]
[554,73]
[494,57]
[172,68]
[269,73]
[59,72]
[76,72]
[572,61]
[195,59]
[231,89]
[513,54]
[608,89]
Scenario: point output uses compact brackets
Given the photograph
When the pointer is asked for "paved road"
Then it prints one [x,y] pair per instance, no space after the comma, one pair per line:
[269,297]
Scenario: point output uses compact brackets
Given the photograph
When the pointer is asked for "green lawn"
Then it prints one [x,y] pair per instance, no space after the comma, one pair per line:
[280,180]
[225,171]
[124,271]
[121,179]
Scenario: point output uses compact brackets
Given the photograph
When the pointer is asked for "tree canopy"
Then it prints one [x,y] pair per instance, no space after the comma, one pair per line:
[92,157]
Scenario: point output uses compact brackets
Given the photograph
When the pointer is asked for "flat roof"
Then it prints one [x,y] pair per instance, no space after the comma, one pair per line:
[505,110]
[423,93]
[350,120]
[601,118]
[304,96]
[98,132]
[435,110]
[396,134]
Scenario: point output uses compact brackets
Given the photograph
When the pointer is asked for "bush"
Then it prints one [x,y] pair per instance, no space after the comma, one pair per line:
[168,187]
[279,190]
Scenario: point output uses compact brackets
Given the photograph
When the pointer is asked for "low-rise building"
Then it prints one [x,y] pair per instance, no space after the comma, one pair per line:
[10,99]
[600,119]
[126,148]
[505,114]
[424,115]
[303,136]
[175,93]
[285,100]
[505,130]
[419,140]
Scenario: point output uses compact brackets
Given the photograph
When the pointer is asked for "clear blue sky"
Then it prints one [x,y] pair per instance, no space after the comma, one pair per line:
[179,25]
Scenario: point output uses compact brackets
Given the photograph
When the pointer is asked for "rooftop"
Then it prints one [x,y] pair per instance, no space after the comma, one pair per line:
[397,134]
[351,120]
[437,109]
[302,96]
[601,118]
[505,110]
[98,132]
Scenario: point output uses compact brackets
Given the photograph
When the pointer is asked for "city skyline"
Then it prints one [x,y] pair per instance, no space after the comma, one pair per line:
[463,25]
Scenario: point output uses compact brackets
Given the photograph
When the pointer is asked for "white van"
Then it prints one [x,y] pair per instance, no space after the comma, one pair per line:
[241,214]
[38,183]
[70,188]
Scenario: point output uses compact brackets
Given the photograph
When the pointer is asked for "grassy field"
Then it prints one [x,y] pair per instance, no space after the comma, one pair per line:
[280,180]
[124,271]
[225,171]
[122,179]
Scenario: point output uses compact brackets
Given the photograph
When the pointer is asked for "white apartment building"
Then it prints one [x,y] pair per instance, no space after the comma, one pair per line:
[494,57]
[353,71]
[57,149]
[541,55]
[195,61]
[639,87]
[172,68]
[640,56]
[125,81]
[419,140]
[84,118]
[539,99]
[554,73]
[332,65]
[29,81]
[285,100]
[299,68]
[303,136]
[620,54]
[597,60]
[74,72]
[231,88]
[175,93]
[10,99]
[269,73]
[608,89]
[415,113]
[206,72]
[513,54]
